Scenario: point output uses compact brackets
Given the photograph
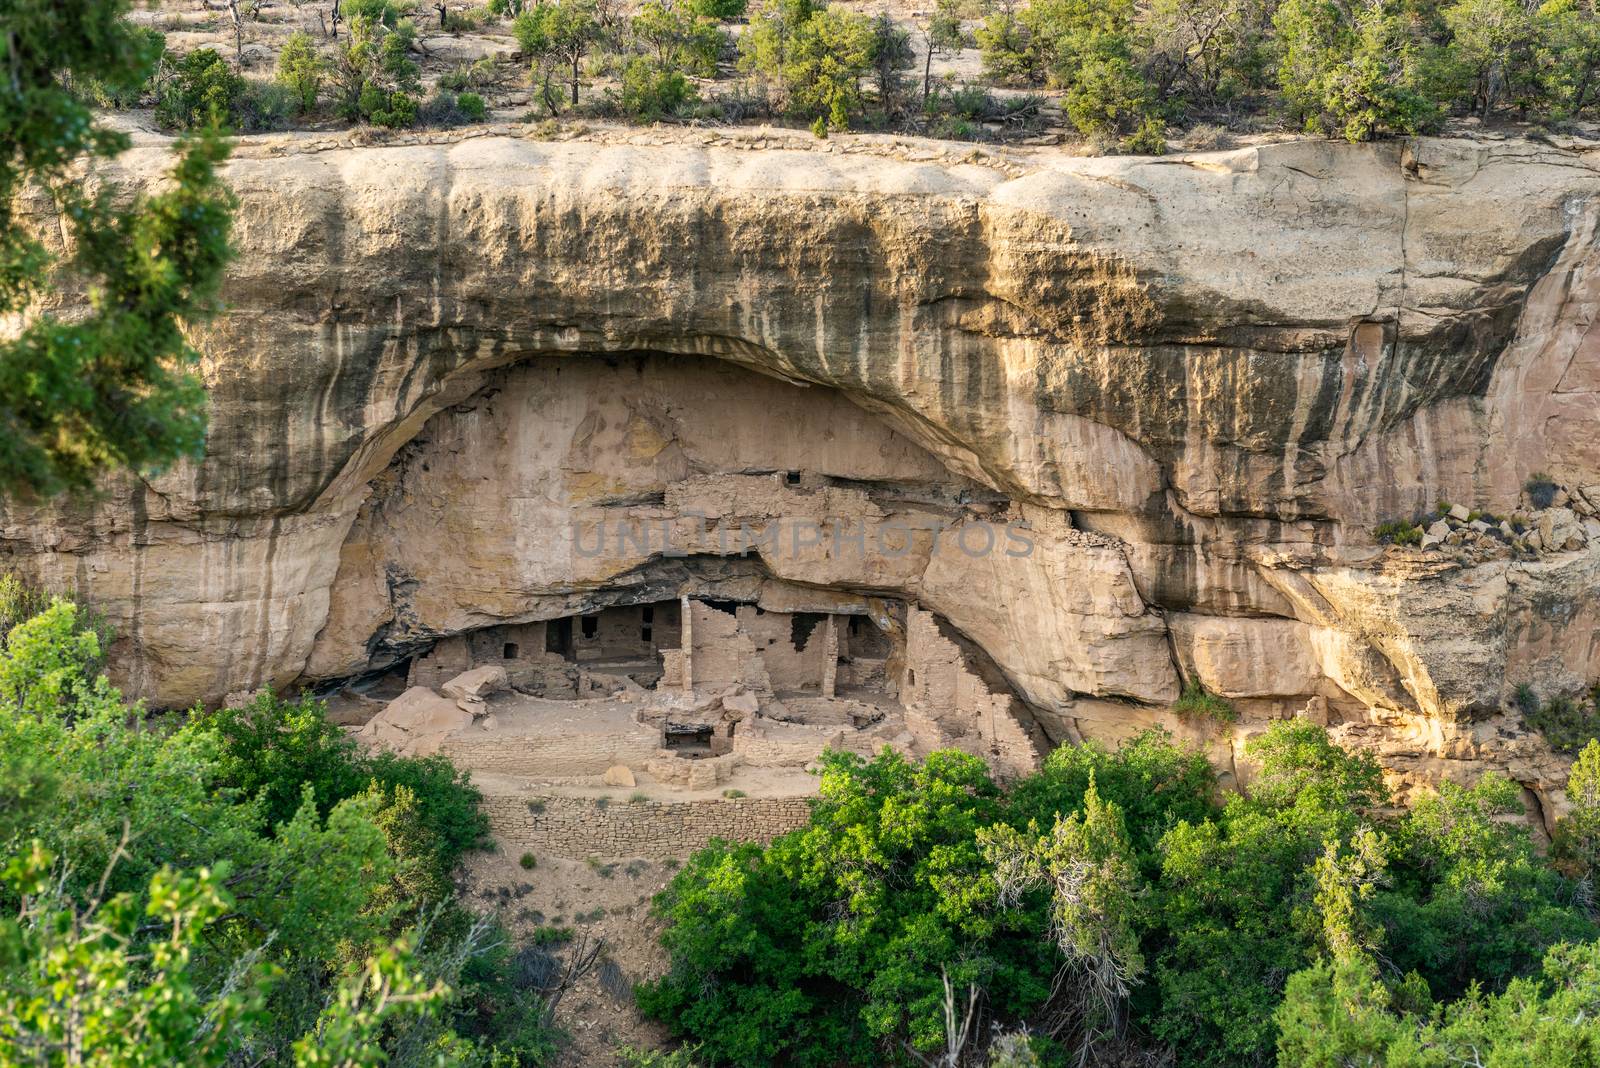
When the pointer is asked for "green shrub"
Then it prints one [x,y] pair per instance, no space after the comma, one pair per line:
[374,77]
[267,106]
[1398,532]
[273,749]
[1567,724]
[971,102]
[248,871]
[1541,489]
[719,10]
[551,936]
[465,76]
[201,90]
[384,108]
[650,92]
[1150,139]
[105,94]
[814,57]
[528,861]
[445,108]
[650,1058]
[301,69]
[830,945]
[1196,701]
[1526,700]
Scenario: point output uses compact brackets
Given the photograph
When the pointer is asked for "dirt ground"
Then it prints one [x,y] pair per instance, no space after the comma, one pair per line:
[605,899]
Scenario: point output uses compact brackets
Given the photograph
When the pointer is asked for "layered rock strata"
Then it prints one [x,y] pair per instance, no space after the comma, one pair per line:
[1197,383]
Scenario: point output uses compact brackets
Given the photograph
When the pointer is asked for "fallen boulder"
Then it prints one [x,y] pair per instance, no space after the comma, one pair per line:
[416,723]
[477,684]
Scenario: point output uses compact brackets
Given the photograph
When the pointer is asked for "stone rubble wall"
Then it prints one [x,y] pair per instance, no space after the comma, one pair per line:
[576,753]
[949,706]
[580,827]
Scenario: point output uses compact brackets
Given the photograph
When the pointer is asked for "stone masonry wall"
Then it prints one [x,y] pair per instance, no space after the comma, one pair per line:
[575,753]
[579,827]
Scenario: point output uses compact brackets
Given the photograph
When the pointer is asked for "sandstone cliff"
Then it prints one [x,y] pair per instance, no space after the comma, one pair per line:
[1200,381]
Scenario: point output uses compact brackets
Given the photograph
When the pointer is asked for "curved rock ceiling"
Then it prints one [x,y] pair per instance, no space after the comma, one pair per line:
[1201,381]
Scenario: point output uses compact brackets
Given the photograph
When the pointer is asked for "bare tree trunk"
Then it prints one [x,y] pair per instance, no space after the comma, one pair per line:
[238,33]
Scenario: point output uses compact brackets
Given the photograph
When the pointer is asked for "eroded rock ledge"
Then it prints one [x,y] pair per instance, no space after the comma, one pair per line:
[1198,382]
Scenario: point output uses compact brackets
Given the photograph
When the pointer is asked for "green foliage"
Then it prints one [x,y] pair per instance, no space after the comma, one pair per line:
[476,75]
[1398,532]
[719,10]
[202,90]
[528,861]
[1087,866]
[1146,903]
[1150,139]
[1577,838]
[675,40]
[678,1058]
[556,36]
[831,940]
[1196,701]
[105,94]
[374,78]
[812,57]
[551,936]
[1541,489]
[1091,49]
[1567,723]
[300,70]
[892,55]
[445,108]
[1474,900]
[235,888]
[649,92]
[113,388]
[1354,72]
[1340,1012]
[113,984]
[272,749]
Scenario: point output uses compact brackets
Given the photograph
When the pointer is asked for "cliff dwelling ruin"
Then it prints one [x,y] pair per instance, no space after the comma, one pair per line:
[1045,459]
[695,694]
[699,593]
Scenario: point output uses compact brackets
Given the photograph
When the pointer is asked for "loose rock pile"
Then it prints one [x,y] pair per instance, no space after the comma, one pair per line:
[1570,523]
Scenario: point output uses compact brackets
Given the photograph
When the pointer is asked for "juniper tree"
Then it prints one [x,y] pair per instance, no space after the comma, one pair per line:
[84,394]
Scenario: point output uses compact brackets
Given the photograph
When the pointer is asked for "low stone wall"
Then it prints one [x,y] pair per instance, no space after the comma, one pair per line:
[574,753]
[578,827]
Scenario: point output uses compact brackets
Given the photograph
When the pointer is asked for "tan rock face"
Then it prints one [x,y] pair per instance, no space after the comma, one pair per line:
[1195,382]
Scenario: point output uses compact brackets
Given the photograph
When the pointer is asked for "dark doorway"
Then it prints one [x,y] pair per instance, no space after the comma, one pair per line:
[558,637]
